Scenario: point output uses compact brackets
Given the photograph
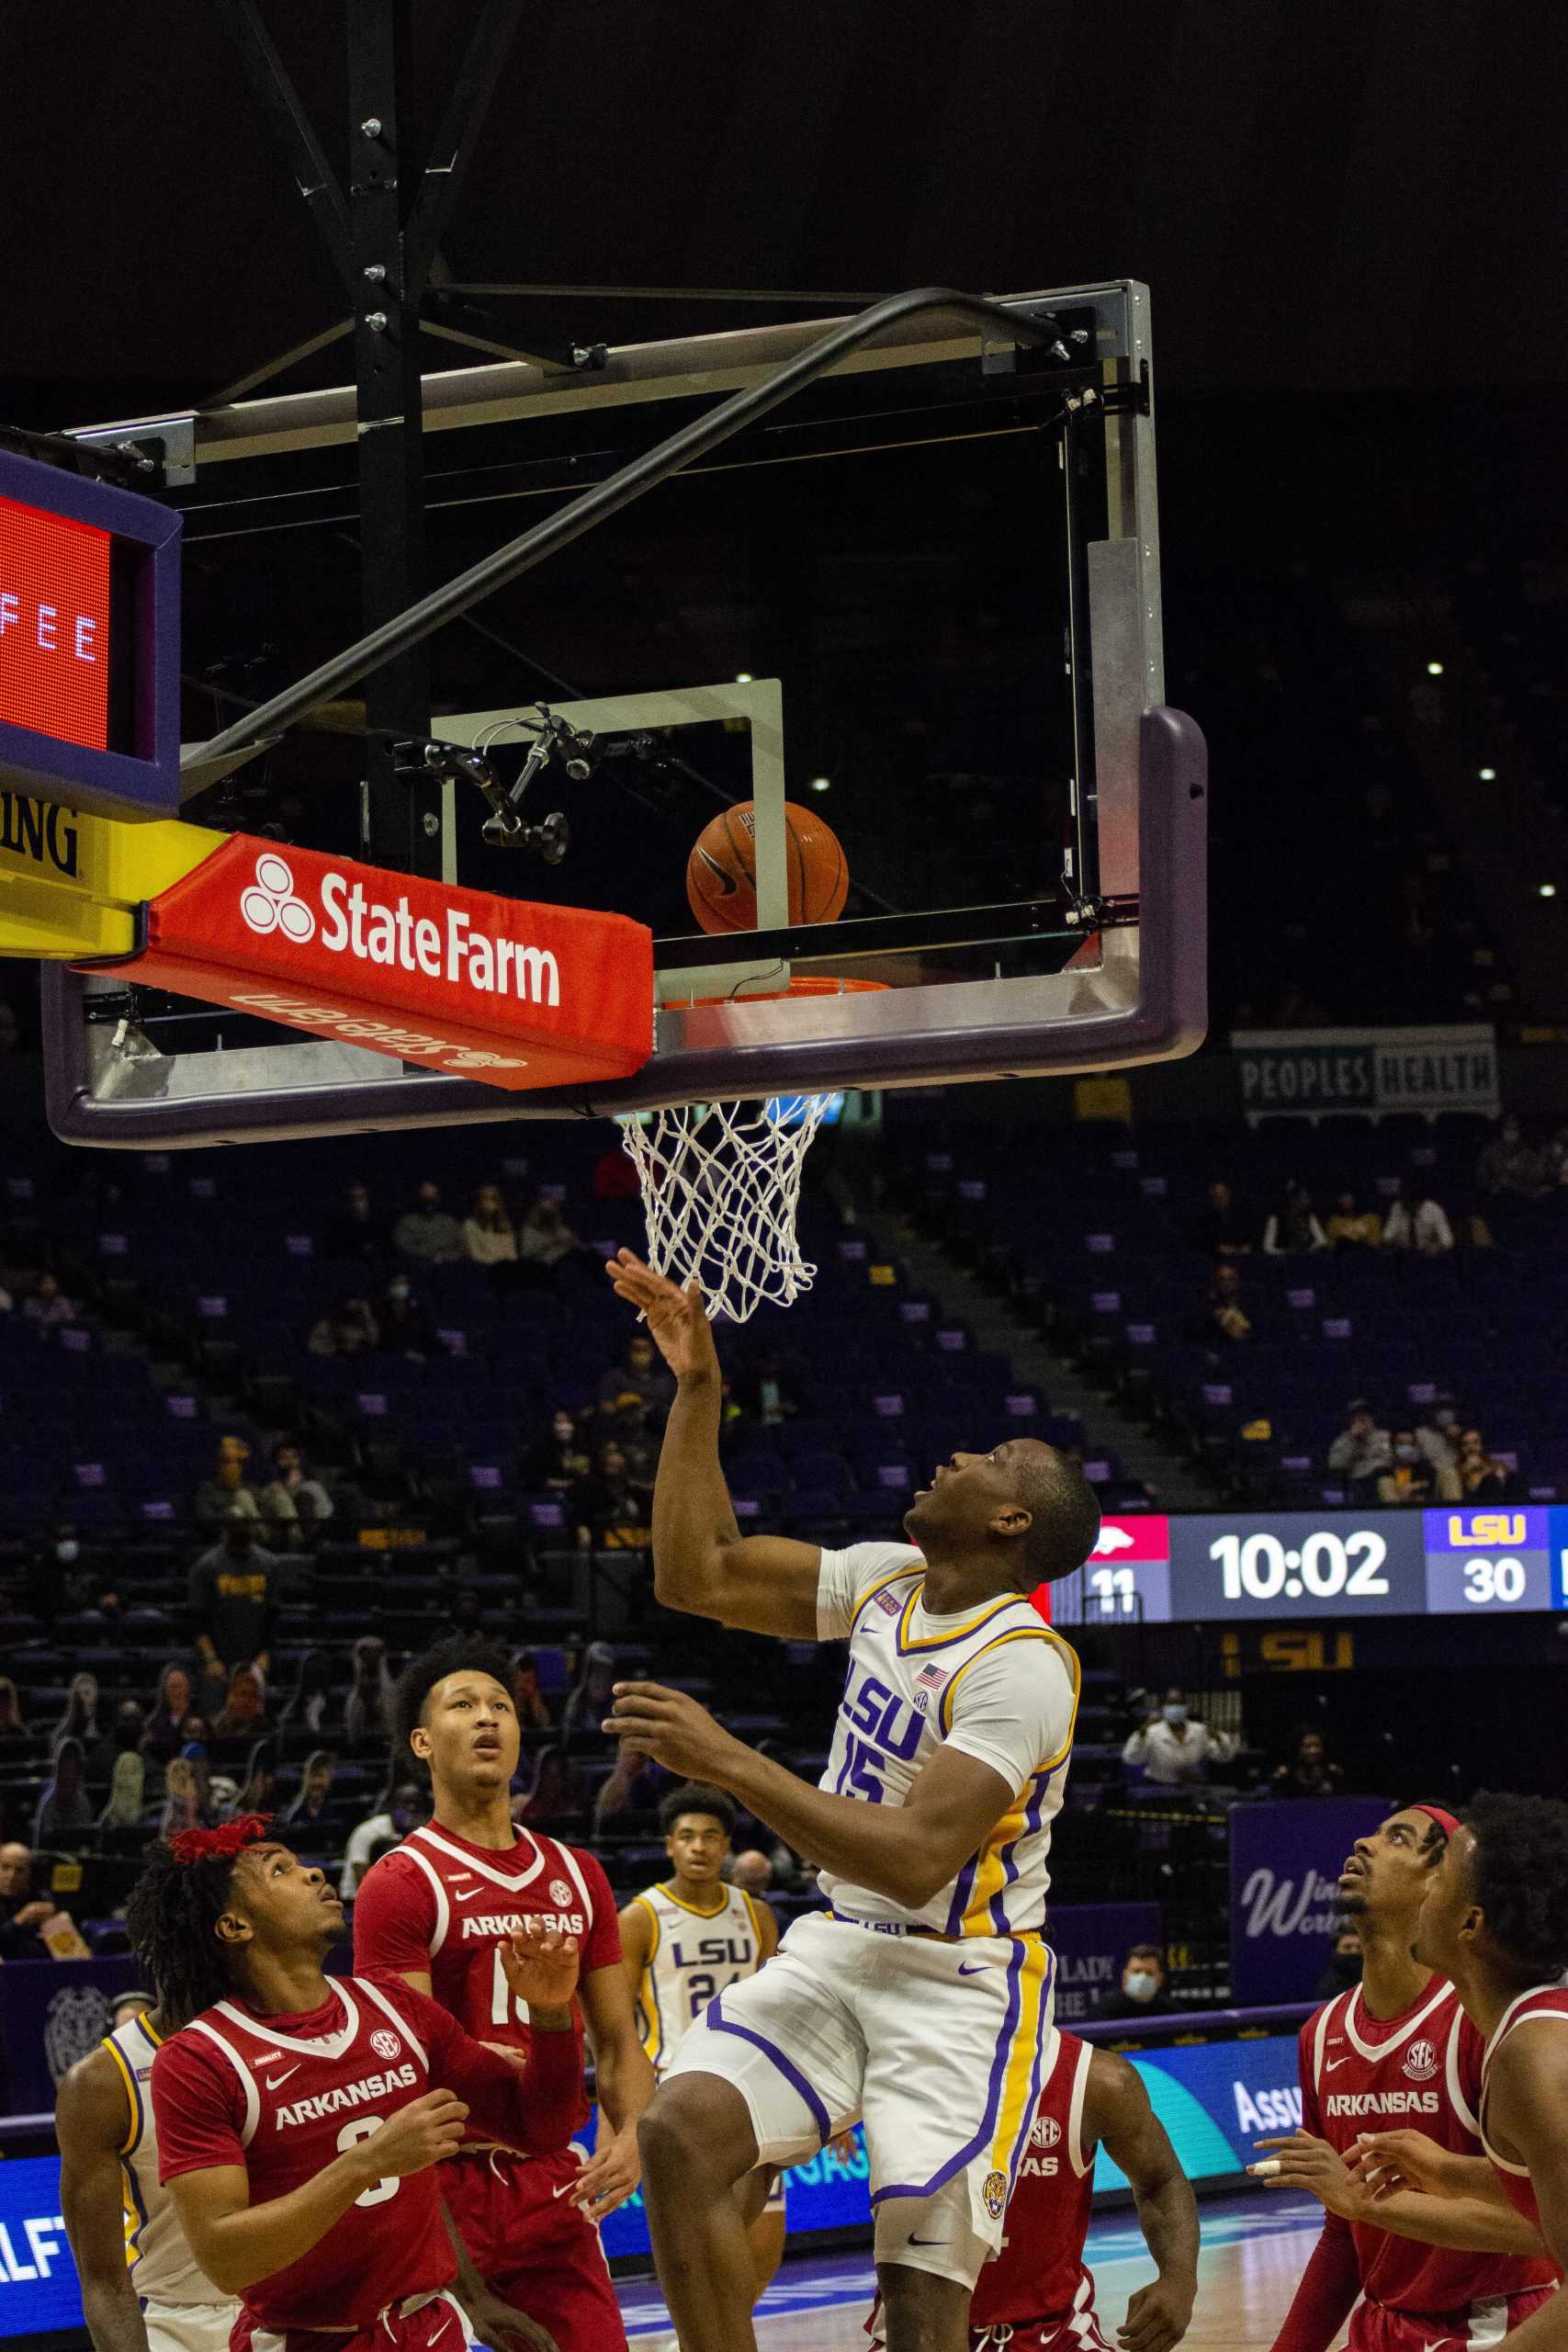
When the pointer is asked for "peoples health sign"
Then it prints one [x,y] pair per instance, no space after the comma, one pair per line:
[1285,1864]
[1301,1073]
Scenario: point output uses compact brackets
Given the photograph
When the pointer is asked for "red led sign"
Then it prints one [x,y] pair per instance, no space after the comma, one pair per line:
[54,625]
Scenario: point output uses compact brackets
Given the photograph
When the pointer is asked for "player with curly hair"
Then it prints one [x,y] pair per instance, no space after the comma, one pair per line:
[1495,1921]
[301,2118]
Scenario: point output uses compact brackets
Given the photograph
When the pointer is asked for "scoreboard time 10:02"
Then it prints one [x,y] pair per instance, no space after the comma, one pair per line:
[1452,1561]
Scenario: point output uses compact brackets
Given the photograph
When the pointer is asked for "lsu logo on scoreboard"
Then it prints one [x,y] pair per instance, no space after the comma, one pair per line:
[1486,1530]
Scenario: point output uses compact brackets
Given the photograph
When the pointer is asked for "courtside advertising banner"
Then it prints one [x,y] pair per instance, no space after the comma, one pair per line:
[1301,1073]
[513,994]
[1285,1863]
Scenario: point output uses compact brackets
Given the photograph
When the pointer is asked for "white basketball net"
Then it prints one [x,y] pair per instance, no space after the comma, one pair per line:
[720,1189]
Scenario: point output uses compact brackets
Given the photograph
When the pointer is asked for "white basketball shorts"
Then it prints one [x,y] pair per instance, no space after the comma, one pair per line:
[188,2327]
[938,2047]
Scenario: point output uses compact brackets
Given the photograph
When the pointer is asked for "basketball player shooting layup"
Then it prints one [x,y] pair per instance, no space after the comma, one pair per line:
[1428,2273]
[923,2000]
[300,2119]
[1495,1920]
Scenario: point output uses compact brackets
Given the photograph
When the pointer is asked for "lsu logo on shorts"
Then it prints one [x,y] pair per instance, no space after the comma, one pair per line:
[995,2194]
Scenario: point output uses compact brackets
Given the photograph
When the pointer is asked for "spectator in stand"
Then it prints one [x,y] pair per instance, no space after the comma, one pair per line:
[1362,1453]
[1480,1477]
[559,1461]
[25,1917]
[632,1787]
[408,1328]
[589,1703]
[767,1393]
[1308,1771]
[1436,1432]
[427,1232]
[1556,1157]
[394,1816]
[351,1330]
[1410,1482]
[128,1793]
[161,1738]
[369,1710]
[556,1794]
[1351,1228]
[64,1821]
[79,1718]
[1141,1992]
[1344,1968]
[751,1871]
[533,1708]
[1219,1229]
[638,1383]
[187,1801]
[488,1235]
[243,1713]
[545,1240]
[308,1704]
[1176,1748]
[1224,1319]
[294,1505]
[48,1307]
[610,1514]
[1509,1165]
[356,1232]
[257,1792]
[233,1598]
[313,1801]
[1418,1222]
[13,1726]
[1293,1230]
[225,1495]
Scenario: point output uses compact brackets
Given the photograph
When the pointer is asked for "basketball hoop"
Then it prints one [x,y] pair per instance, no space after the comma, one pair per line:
[721,1184]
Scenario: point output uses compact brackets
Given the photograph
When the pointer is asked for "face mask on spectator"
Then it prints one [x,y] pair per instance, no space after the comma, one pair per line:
[397,1289]
[1140,1984]
[1175,1713]
[1405,1453]
[67,1550]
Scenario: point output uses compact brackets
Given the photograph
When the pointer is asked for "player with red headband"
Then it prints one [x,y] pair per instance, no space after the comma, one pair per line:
[301,2118]
[1432,2272]
[1496,1919]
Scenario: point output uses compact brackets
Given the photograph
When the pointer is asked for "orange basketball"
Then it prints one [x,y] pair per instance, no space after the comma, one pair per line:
[721,873]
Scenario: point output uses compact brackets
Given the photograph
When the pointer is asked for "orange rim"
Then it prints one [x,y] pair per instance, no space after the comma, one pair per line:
[802,984]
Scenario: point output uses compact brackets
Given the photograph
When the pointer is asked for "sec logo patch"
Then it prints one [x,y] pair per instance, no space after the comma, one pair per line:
[996,2194]
[385,2044]
[560,1893]
[1046,2132]
[1421,2062]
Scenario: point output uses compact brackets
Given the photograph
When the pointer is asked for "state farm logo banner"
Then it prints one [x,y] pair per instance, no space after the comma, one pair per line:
[476,986]
[1285,1863]
[1301,1073]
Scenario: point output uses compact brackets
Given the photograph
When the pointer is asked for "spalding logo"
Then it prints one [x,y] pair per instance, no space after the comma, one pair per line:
[1047,2133]
[1421,2062]
[996,2194]
[385,2044]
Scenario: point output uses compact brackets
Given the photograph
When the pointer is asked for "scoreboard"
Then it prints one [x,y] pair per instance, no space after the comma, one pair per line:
[1455,1561]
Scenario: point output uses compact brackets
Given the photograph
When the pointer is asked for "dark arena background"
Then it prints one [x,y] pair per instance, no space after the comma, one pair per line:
[1202,1112]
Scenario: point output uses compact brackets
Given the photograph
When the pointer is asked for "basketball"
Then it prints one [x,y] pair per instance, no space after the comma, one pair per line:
[721,873]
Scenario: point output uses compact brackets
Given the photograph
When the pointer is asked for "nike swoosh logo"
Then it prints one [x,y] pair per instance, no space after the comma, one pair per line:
[1330,2064]
[271,2082]
[463,1886]
[965,1968]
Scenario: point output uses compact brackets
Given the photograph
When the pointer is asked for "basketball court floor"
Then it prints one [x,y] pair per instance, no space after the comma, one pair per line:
[1255,2249]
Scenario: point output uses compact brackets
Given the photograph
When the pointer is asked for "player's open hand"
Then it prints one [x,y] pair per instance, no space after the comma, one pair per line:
[1158,2316]
[610,2176]
[671,1729]
[1386,2162]
[424,2133]
[541,1966]
[1305,2162]
[677,1319]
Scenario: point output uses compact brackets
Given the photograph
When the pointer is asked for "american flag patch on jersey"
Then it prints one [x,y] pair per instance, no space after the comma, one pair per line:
[932,1677]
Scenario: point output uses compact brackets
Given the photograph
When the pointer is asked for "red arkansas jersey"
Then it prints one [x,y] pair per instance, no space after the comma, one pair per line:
[1422,2070]
[280,2097]
[1040,2271]
[1549,2001]
[440,1905]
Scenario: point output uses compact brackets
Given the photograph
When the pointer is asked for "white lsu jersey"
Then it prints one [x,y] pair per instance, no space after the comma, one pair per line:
[995,1682]
[695,1955]
[162,2268]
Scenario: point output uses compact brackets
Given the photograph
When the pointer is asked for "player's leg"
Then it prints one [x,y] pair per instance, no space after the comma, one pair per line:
[766,2233]
[534,2248]
[697,2144]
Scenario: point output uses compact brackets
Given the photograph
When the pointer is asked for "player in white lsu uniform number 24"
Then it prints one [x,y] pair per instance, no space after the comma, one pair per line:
[922,2001]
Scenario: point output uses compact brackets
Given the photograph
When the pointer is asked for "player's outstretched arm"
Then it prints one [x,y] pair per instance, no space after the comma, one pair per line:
[702,1563]
[1117,2112]
[1403,2182]
[530,2106]
[92,2121]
